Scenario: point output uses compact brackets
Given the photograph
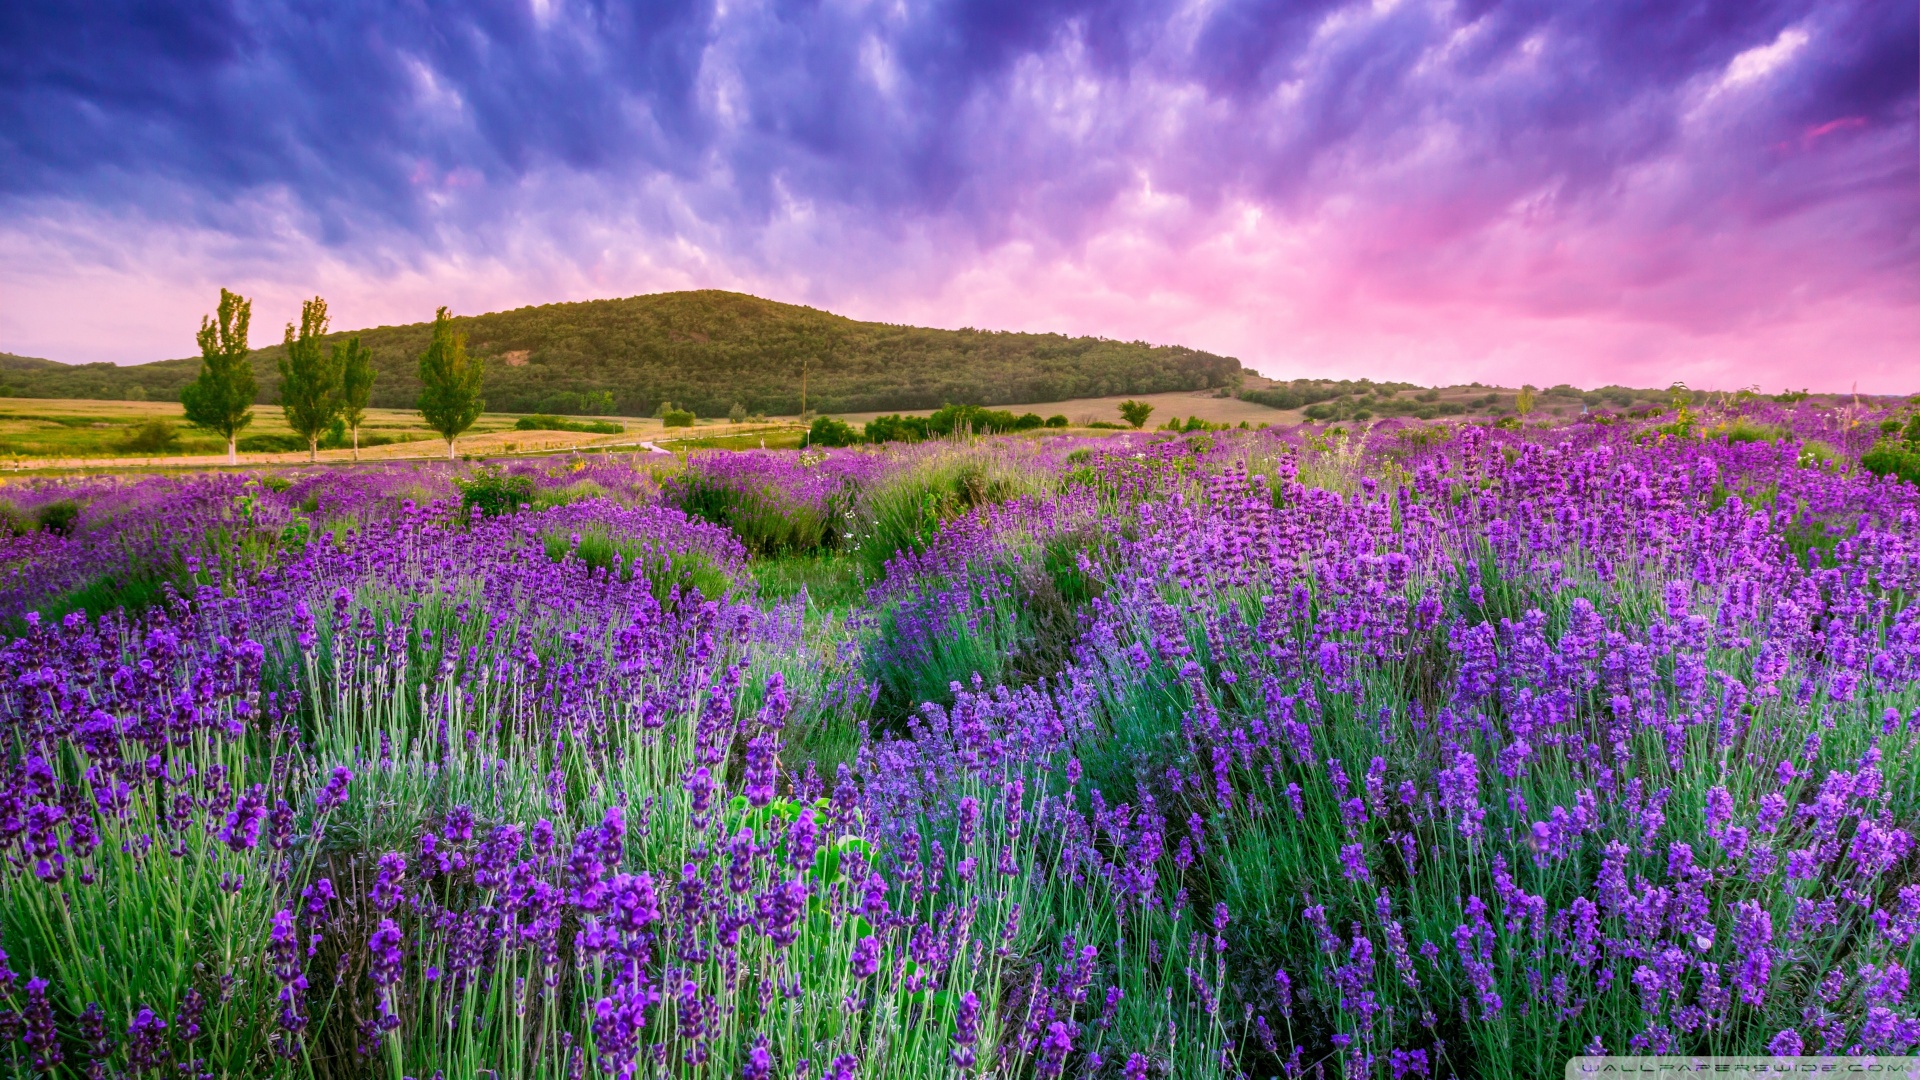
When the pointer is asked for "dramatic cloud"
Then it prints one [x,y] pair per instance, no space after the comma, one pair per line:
[1725,192]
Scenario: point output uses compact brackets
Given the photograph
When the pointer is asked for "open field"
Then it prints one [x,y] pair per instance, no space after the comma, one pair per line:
[1436,750]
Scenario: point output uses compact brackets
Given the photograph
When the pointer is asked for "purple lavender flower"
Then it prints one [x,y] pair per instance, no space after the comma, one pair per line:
[966,1030]
[866,957]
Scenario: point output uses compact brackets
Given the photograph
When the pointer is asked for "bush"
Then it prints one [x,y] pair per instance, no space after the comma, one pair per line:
[59,518]
[897,428]
[826,431]
[1135,412]
[549,422]
[677,418]
[156,436]
[494,493]
[1893,458]
[973,419]
[1027,421]
[1057,420]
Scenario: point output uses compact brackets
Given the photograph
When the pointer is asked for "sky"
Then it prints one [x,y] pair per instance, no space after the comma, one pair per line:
[1721,192]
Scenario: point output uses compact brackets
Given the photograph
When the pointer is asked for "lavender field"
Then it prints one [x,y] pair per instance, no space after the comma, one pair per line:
[1411,751]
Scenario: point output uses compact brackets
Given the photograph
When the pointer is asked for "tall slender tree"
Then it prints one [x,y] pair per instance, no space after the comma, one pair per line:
[310,380]
[356,386]
[221,399]
[449,382]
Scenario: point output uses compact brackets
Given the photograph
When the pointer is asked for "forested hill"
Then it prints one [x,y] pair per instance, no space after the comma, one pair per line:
[704,350]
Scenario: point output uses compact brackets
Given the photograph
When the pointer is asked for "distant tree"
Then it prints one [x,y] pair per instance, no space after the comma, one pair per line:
[449,382]
[737,414]
[1135,412]
[356,386]
[311,393]
[1523,401]
[221,399]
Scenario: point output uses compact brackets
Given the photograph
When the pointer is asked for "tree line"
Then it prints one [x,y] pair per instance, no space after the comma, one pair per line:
[320,387]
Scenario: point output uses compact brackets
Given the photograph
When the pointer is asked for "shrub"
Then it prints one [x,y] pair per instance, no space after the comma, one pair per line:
[972,419]
[826,431]
[1135,412]
[897,428]
[59,518]
[1893,458]
[155,436]
[548,422]
[677,418]
[494,493]
[1057,420]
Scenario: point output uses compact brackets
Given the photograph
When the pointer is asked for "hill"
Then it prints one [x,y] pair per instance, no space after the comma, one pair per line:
[705,350]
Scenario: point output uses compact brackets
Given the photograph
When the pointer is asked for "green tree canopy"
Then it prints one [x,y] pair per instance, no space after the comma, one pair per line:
[221,399]
[449,381]
[356,385]
[310,383]
[1135,412]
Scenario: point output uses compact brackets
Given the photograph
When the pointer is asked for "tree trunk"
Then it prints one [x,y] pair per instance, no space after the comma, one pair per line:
[313,449]
[450,439]
[233,453]
[356,442]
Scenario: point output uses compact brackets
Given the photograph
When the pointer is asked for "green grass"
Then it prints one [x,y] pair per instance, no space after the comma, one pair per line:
[832,582]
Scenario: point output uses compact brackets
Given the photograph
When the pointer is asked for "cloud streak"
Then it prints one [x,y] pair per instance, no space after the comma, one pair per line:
[1727,192]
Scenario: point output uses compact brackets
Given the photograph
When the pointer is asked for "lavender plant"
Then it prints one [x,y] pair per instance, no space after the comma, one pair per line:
[1409,751]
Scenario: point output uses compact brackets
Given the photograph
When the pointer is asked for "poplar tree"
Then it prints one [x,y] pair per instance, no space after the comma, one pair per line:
[310,382]
[449,382]
[221,399]
[356,386]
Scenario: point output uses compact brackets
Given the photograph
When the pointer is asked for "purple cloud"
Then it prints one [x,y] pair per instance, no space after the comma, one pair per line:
[1597,188]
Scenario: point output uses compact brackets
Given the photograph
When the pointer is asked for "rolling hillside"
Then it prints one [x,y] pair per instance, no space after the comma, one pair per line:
[705,350]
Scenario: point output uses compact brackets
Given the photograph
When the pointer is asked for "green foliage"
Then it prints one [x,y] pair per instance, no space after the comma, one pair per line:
[578,402]
[1744,430]
[831,582]
[767,523]
[897,428]
[710,349]
[1815,454]
[1890,457]
[827,431]
[977,420]
[904,511]
[449,381]
[154,436]
[493,493]
[671,575]
[14,521]
[59,517]
[1135,412]
[221,399]
[677,418]
[355,362]
[311,390]
[544,422]
[1057,420]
